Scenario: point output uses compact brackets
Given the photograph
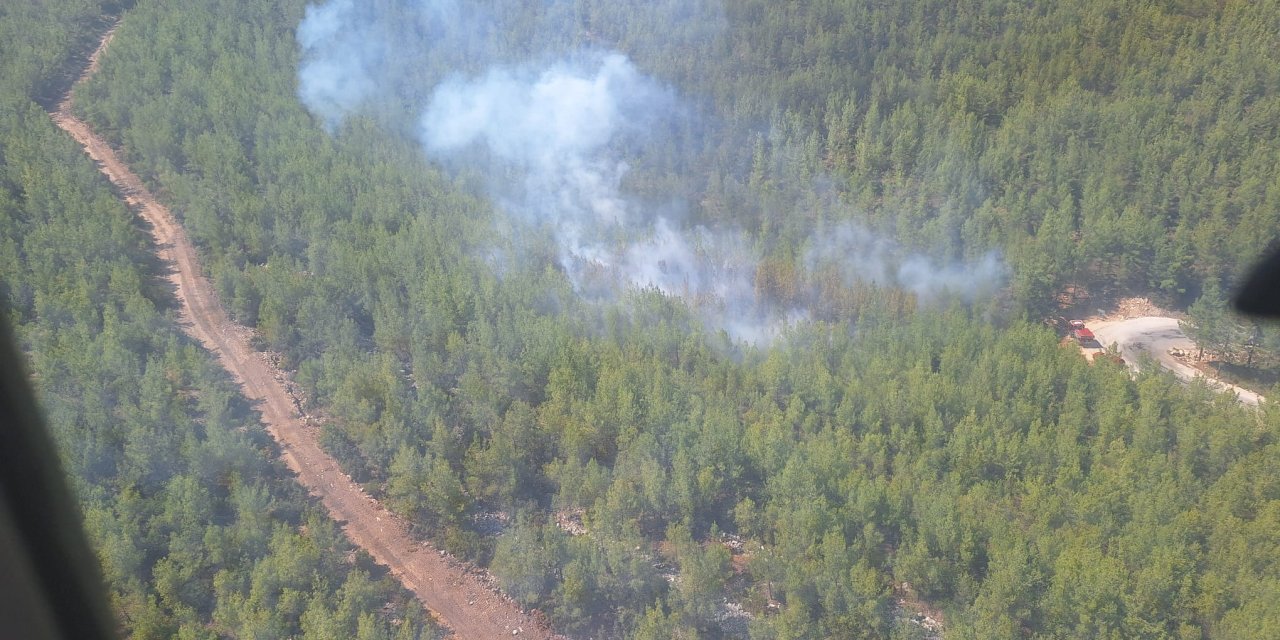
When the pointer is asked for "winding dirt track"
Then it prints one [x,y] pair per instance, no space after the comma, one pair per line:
[455,597]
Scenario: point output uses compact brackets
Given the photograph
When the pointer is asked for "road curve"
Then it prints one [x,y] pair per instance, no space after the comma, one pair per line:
[455,597]
[1155,336]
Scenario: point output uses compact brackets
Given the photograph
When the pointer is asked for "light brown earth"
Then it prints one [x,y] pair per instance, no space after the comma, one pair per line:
[1160,337]
[455,596]
[1136,326]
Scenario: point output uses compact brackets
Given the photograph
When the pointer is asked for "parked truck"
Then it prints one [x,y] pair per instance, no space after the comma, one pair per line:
[1081,333]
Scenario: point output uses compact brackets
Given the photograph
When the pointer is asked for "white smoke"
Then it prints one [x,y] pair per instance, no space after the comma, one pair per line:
[560,128]
[543,118]
[553,126]
[341,55]
[556,137]
[360,52]
[861,256]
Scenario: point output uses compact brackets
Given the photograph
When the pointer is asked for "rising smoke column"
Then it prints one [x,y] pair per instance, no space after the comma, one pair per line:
[554,130]
[341,58]
[360,53]
[559,128]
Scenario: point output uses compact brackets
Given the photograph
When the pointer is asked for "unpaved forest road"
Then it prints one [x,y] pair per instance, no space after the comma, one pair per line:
[1155,336]
[455,597]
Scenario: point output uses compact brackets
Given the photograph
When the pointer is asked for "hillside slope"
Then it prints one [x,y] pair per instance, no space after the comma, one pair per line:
[458,598]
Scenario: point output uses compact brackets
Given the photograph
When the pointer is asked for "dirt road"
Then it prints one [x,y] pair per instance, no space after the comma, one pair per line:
[457,598]
[1155,336]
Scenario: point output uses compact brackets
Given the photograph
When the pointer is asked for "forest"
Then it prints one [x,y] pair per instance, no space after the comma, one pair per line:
[201,533]
[659,476]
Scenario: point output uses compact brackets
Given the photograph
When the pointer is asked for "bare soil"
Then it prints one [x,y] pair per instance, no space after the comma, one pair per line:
[455,594]
[1077,302]
[1136,326]
[920,613]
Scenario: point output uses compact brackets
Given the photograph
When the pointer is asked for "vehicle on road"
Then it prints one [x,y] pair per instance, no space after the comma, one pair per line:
[1081,333]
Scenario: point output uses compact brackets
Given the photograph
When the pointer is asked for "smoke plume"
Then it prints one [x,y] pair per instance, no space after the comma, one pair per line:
[559,130]
[862,256]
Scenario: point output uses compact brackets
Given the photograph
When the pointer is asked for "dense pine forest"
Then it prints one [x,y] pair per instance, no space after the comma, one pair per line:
[621,464]
[200,533]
